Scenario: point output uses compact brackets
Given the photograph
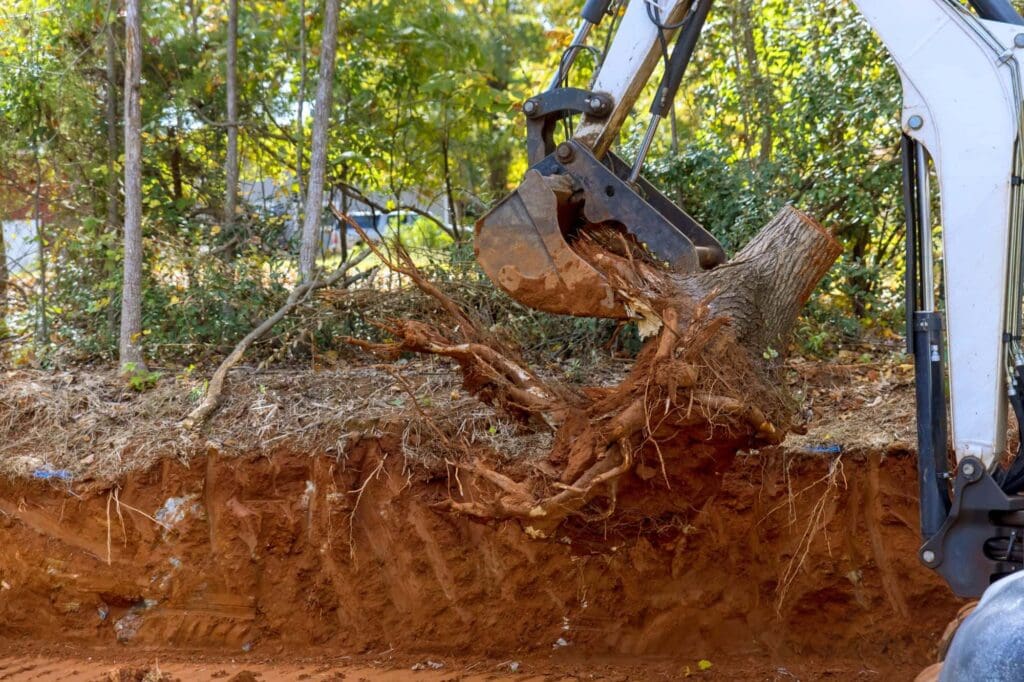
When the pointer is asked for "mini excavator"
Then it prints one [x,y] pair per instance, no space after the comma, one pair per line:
[963,107]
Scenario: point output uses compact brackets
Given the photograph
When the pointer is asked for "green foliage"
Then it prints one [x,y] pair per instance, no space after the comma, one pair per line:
[809,117]
[138,378]
[426,112]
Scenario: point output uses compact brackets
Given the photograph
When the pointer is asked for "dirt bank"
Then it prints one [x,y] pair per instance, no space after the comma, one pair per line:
[785,559]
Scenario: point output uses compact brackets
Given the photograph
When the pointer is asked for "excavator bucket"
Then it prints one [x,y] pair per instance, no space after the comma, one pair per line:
[520,246]
[522,242]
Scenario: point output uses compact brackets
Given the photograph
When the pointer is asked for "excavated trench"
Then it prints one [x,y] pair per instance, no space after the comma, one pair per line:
[787,558]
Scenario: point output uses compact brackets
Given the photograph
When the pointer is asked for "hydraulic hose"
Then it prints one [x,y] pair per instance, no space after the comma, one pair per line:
[997,10]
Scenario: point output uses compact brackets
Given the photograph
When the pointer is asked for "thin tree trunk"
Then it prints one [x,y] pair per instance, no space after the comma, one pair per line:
[4,275]
[231,163]
[763,95]
[113,225]
[318,152]
[453,217]
[300,116]
[112,149]
[43,328]
[177,181]
[193,11]
[130,345]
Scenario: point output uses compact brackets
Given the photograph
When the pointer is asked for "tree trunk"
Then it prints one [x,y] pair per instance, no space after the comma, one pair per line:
[300,114]
[4,275]
[318,153]
[130,345]
[702,388]
[112,147]
[113,151]
[231,162]
[761,87]
[762,289]
[177,179]
[43,323]
[449,193]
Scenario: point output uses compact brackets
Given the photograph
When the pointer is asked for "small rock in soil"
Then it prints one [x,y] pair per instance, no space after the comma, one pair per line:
[127,626]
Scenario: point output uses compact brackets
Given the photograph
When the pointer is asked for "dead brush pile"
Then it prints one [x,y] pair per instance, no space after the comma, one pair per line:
[88,425]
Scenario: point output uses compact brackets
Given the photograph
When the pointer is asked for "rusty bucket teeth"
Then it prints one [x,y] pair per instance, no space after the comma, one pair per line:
[520,246]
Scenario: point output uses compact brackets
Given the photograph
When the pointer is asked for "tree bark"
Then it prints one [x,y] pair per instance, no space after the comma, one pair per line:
[231,162]
[759,85]
[4,276]
[112,146]
[130,345]
[318,154]
[762,289]
[449,192]
[300,114]
[43,323]
[113,151]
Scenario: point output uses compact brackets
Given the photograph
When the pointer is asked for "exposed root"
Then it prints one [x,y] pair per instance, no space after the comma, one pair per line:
[816,522]
[694,382]
[358,492]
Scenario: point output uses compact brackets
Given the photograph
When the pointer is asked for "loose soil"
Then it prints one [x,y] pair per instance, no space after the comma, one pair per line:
[797,562]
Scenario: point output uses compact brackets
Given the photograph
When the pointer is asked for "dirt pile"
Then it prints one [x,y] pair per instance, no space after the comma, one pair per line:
[309,526]
[787,557]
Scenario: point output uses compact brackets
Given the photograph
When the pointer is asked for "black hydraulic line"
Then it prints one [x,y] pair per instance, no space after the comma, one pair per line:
[911,292]
[925,342]
[1011,480]
[682,53]
[594,10]
[932,458]
[997,10]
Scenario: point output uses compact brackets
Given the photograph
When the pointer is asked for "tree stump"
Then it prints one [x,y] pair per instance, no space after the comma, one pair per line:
[702,388]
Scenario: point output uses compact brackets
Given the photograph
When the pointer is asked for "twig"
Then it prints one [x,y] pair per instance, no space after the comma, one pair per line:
[110,496]
[215,391]
[355,507]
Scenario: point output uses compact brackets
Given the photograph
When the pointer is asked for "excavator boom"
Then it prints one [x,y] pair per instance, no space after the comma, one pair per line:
[526,243]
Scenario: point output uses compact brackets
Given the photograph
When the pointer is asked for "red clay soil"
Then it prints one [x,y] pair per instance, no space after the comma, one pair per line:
[778,566]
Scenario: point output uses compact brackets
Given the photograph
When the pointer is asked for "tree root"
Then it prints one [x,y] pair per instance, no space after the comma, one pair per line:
[700,381]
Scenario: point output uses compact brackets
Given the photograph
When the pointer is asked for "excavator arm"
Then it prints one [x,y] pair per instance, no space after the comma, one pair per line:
[962,85]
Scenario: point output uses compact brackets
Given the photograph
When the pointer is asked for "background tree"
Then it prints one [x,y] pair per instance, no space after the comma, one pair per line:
[318,159]
[130,345]
[231,159]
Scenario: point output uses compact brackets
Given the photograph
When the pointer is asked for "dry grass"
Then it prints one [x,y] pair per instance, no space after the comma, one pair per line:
[91,426]
[87,423]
